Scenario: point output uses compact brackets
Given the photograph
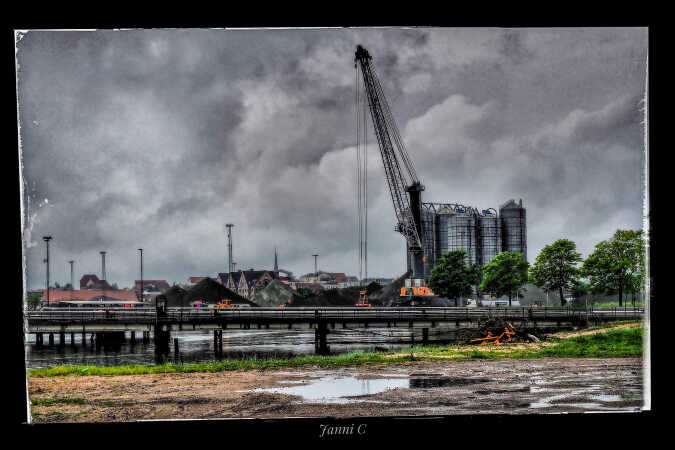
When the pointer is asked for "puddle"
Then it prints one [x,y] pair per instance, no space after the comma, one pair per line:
[607,398]
[335,389]
[426,383]
[540,405]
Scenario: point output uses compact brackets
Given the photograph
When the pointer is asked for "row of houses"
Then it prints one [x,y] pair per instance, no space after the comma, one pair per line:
[247,283]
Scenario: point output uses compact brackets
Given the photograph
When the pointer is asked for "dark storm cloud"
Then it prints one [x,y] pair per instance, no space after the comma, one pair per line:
[157,138]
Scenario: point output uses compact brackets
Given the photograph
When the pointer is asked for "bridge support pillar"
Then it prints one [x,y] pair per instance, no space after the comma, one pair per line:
[320,338]
[38,339]
[84,339]
[146,337]
[162,340]
[51,339]
[133,337]
[72,338]
[425,336]
[218,342]
[62,339]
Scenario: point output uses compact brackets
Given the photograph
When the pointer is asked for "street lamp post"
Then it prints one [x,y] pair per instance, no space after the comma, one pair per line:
[142,298]
[47,239]
[316,272]
[72,275]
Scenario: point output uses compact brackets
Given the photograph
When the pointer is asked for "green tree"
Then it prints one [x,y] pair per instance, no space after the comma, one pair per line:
[304,292]
[452,278]
[33,300]
[555,268]
[373,287]
[617,265]
[506,275]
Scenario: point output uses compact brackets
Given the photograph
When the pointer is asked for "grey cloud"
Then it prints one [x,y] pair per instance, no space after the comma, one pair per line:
[157,138]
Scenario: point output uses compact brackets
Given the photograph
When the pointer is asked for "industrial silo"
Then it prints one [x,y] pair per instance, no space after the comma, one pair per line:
[457,230]
[430,234]
[514,230]
[489,236]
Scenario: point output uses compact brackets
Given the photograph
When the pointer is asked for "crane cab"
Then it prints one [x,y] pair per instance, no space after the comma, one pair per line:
[416,287]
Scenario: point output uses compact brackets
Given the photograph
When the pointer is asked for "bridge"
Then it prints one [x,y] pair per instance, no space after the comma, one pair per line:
[112,324]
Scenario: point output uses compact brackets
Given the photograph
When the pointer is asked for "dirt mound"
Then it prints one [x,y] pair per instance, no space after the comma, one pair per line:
[333,297]
[390,291]
[174,295]
[276,293]
[213,292]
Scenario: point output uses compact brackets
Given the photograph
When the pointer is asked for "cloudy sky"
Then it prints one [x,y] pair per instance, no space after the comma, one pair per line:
[157,138]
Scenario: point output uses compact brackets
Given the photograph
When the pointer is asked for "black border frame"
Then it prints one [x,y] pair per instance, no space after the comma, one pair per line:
[510,430]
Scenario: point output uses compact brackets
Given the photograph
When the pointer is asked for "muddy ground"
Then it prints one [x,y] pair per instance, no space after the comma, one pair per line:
[424,388]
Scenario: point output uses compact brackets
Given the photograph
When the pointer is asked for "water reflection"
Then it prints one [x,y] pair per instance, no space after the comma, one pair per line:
[197,346]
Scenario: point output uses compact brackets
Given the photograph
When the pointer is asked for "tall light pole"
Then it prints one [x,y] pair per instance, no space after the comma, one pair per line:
[229,247]
[316,272]
[72,275]
[141,250]
[47,239]
[102,265]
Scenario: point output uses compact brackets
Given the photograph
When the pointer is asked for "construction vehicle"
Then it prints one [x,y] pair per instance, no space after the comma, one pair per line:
[404,186]
[225,303]
[363,299]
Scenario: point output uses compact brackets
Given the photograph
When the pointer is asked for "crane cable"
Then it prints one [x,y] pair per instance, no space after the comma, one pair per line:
[362,175]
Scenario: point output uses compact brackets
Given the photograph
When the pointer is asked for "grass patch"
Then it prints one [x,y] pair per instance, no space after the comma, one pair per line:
[616,343]
[621,343]
[612,324]
[347,359]
[56,401]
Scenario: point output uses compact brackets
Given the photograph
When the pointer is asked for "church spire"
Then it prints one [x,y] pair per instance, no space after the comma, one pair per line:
[276,264]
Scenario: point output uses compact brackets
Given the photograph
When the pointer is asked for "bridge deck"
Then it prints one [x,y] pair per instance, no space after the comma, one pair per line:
[148,318]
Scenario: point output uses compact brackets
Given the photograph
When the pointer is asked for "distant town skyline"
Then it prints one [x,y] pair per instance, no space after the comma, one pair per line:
[158,138]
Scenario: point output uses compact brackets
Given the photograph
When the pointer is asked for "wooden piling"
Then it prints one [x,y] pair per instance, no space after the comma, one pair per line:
[51,339]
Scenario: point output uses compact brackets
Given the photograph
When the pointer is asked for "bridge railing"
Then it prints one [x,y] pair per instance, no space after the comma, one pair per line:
[373,314]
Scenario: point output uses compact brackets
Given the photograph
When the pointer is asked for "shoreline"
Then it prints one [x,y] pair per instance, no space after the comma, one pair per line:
[619,340]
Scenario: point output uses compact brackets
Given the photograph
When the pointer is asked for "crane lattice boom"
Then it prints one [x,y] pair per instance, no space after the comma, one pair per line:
[394,156]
